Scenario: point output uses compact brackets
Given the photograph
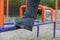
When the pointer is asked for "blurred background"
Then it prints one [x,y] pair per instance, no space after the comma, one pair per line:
[15,4]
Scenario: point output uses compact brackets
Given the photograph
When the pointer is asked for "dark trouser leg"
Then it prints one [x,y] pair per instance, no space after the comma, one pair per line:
[29,15]
[32,7]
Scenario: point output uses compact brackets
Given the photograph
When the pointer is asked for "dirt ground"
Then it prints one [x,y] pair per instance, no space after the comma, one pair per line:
[45,33]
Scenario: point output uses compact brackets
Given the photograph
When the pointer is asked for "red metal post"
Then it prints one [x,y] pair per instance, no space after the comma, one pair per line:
[7,9]
[1,13]
[56,13]
[21,11]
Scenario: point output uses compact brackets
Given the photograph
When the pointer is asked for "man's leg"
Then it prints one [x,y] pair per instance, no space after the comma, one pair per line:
[29,16]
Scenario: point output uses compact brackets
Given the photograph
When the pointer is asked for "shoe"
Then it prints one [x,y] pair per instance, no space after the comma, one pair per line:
[25,23]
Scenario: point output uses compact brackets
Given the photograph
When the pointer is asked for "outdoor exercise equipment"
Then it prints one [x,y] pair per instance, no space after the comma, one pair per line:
[7,9]
[56,12]
[40,7]
[5,28]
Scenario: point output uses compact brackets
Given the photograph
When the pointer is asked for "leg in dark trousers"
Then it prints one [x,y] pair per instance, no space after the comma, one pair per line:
[29,15]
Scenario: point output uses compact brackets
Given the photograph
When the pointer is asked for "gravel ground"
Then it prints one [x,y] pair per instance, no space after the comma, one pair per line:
[46,33]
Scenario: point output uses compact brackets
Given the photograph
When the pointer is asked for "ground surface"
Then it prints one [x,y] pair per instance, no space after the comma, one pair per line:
[46,33]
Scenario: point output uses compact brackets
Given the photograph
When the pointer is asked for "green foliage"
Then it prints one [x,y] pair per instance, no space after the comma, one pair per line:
[39,16]
[59,4]
[49,3]
[17,3]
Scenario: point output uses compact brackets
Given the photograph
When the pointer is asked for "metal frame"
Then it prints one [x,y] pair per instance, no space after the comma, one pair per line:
[40,7]
[38,25]
[3,29]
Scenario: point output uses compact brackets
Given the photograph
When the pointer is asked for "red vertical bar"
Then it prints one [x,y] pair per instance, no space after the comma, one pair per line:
[56,13]
[42,8]
[51,14]
[21,10]
[2,13]
[7,9]
[43,19]
[21,13]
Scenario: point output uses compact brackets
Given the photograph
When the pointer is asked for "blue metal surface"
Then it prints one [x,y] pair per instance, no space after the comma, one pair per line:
[4,29]
[38,31]
[7,23]
[43,23]
[39,23]
[13,27]
[54,32]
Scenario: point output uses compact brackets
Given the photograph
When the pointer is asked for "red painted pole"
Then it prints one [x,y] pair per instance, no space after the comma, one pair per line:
[1,13]
[56,13]
[21,11]
[7,9]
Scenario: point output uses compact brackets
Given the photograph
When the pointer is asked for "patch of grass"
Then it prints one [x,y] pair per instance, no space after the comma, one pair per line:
[17,18]
[11,18]
[39,17]
[59,22]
